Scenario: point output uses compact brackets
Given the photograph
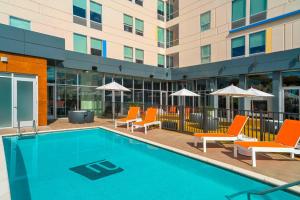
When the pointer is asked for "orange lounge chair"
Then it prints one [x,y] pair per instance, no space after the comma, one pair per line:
[150,119]
[232,134]
[132,116]
[172,109]
[285,142]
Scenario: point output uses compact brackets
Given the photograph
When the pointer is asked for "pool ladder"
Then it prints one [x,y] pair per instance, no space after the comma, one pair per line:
[274,189]
[34,128]
[263,192]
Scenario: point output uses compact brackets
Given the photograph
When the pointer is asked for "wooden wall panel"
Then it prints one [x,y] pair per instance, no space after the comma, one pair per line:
[20,64]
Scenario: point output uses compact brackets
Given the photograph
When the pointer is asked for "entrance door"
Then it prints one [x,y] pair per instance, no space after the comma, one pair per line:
[25,101]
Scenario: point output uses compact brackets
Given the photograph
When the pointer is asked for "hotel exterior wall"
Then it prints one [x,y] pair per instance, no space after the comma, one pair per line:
[284,32]
[56,18]
[31,66]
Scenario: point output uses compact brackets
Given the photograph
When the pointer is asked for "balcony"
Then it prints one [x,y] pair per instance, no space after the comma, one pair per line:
[172,9]
[172,36]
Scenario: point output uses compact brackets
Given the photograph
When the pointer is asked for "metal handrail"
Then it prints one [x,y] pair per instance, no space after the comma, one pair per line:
[274,189]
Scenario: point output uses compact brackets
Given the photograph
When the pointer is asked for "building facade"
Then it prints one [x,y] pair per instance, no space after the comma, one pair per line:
[58,52]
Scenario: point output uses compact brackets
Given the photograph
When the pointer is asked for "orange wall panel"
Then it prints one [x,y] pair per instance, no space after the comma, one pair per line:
[20,64]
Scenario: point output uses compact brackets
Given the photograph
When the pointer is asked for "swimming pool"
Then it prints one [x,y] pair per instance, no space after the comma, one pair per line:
[98,164]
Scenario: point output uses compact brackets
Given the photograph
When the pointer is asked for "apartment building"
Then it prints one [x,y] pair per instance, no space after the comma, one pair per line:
[70,47]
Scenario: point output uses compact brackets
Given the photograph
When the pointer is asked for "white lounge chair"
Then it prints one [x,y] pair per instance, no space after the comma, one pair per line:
[285,142]
[232,134]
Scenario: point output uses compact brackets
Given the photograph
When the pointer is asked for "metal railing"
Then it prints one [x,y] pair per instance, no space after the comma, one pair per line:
[261,125]
[274,189]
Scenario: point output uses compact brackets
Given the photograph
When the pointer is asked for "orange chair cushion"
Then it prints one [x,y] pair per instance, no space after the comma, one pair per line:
[150,117]
[289,133]
[237,125]
[260,144]
[132,114]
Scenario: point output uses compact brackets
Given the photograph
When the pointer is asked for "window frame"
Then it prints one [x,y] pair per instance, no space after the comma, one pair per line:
[74,47]
[206,57]
[98,52]
[127,27]
[239,37]
[25,22]
[92,12]
[137,31]
[139,60]
[264,46]
[77,8]
[124,54]
[203,26]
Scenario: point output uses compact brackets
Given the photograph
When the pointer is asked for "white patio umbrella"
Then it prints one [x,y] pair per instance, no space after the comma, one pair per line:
[113,86]
[232,91]
[257,93]
[184,93]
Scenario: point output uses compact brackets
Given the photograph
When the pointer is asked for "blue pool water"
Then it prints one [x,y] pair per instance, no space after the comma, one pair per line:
[96,164]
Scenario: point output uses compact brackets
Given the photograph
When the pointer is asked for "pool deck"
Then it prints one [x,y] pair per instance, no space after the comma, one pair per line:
[277,166]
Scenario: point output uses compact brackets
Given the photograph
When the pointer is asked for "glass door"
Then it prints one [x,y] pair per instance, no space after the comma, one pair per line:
[291,101]
[25,101]
[5,102]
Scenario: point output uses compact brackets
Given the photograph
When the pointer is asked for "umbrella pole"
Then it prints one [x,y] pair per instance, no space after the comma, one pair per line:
[113,105]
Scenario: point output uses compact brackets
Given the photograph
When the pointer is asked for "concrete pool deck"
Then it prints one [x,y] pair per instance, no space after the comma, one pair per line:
[274,166]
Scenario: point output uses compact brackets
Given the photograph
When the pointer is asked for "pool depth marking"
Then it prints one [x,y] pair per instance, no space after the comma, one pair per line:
[96,170]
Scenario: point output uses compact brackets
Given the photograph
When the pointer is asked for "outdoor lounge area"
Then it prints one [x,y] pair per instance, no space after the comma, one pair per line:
[150,100]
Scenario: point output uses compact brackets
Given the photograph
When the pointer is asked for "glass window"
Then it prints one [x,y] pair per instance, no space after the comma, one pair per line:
[90,78]
[128,82]
[205,54]
[257,43]
[139,27]
[238,10]
[19,23]
[160,37]
[128,23]
[148,97]
[80,43]
[156,85]
[238,46]
[138,84]
[257,6]
[147,85]
[160,60]
[139,2]
[66,99]
[90,99]
[291,78]
[96,47]
[205,21]
[139,56]
[128,53]
[66,76]
[5,102]
[138,96]
[160,10]
[96,12]
[170,38]
[79,8]
[170,11]
[261,82]
[51,74]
